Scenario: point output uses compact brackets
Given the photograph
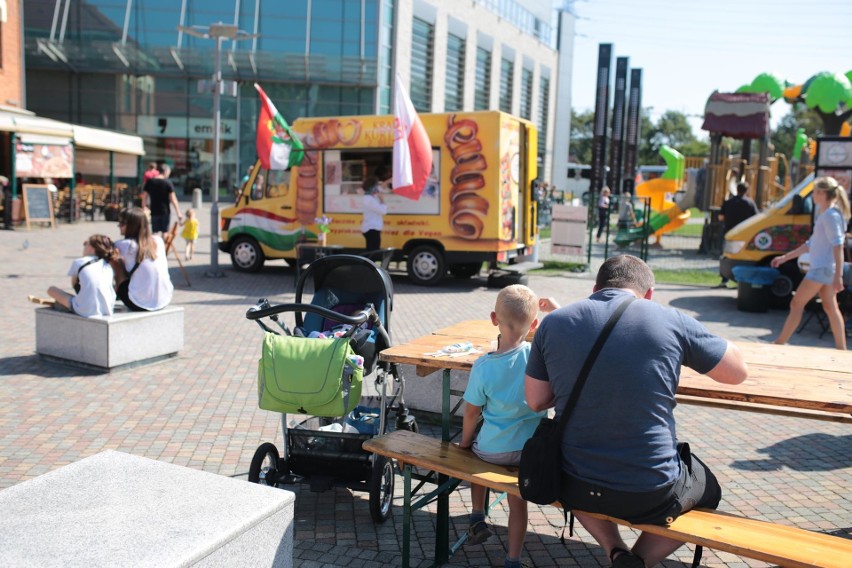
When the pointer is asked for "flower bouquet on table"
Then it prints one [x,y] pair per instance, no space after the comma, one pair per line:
[322,225]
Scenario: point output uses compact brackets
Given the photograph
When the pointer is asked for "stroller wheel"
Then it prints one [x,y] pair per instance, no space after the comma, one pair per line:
[381,488]
[265,466]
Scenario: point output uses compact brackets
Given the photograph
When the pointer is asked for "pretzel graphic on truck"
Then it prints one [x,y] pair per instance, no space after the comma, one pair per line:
[476,206]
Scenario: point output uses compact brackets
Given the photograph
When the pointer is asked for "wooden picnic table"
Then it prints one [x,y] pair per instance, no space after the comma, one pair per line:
[782,378]
[816,383]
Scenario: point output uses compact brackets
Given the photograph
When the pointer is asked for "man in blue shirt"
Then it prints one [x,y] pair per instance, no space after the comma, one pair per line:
[621,455]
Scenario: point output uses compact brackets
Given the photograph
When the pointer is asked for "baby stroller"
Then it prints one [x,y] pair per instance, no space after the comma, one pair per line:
[317,368]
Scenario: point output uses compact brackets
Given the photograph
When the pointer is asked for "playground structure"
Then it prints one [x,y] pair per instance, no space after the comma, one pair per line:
[665,215]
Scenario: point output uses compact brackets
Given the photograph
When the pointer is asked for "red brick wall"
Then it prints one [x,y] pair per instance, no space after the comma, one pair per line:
[11,91]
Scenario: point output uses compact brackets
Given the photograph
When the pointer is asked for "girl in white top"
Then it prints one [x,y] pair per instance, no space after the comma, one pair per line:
[92,279]
[825,275]
[142,275]
[374,209]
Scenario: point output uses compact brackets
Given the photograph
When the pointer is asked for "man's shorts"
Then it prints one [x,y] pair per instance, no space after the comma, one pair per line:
[696,487]
[160,223]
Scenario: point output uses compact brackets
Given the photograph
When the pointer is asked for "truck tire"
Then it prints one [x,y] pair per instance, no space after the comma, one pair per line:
[466,270]
[426,265]
[246,254]
[784,285]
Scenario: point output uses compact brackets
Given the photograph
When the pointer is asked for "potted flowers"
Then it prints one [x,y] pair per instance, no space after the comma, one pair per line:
[322,225]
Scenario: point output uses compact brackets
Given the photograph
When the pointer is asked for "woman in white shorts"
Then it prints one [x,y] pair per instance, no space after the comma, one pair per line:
[825,274]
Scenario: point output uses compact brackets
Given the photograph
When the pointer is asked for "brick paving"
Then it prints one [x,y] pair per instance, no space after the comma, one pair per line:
[199,409]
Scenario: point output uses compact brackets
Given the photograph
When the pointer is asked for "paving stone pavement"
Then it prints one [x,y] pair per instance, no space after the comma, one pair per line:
[199,409]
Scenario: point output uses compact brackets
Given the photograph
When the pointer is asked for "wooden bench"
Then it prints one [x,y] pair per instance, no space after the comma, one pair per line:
[760,540]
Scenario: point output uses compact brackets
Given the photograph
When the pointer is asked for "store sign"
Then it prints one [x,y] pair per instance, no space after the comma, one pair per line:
[43,161]
[182,127]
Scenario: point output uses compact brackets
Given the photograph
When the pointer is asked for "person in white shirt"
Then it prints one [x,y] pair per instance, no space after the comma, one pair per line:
[142,273]
[92,280]
[374,209]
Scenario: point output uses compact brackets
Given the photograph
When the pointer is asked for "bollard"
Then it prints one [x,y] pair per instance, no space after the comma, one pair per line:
[196,199]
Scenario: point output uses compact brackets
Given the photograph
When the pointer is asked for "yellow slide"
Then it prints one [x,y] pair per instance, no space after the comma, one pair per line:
[670,214]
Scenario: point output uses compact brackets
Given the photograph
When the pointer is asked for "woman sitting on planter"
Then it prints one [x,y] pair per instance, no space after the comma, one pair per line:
[142,275]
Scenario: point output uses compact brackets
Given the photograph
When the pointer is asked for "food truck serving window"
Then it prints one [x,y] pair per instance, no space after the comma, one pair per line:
[344,173]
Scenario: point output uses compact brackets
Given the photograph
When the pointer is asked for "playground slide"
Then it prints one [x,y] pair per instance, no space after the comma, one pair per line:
[665,215]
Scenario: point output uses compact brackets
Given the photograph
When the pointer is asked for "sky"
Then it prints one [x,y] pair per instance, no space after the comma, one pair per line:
[689,48]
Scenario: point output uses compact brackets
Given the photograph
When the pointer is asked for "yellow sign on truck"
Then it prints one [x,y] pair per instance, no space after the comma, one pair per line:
[477,204]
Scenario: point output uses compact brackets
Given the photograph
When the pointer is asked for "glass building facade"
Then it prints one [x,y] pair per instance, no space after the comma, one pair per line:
[126,65]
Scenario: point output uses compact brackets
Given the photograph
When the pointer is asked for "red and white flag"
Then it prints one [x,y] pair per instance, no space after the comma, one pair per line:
[412,150]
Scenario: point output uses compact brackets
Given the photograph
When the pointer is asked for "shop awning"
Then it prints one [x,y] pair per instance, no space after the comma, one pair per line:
[97,139]
[38,130]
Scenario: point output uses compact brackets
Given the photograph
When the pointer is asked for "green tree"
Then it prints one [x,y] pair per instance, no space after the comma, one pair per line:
[784,136]
[673,129]
[582,133]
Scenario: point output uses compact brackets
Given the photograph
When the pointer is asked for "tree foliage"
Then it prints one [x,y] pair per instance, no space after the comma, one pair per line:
[672,128]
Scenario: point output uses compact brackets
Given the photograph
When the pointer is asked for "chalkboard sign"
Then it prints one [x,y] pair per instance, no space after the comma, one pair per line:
[38,204]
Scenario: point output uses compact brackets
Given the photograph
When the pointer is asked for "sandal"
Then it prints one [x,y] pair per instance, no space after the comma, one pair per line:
[478,533]
[621,558]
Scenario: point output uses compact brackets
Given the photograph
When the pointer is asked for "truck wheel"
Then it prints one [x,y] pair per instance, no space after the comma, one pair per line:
[426,266]
[782,288]
[466,270]
[246,255]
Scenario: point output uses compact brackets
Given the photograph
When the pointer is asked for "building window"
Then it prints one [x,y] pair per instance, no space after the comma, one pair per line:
[482,96]
[454,90]
[526,93]
[385,73]
[543,104]
[507,69]
[421,65]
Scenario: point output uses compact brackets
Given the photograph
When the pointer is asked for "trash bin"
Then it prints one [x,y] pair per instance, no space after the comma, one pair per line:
[754,285]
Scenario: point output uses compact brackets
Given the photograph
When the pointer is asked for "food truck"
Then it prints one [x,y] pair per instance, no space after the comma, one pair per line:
[477,205]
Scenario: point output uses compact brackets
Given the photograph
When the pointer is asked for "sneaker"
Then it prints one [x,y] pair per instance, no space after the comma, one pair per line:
[478,532]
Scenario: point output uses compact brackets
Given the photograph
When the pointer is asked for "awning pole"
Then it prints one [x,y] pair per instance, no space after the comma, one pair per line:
[112,177]
[13,179]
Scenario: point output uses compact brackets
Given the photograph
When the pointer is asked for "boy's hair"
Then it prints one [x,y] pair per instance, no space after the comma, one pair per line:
[517,304]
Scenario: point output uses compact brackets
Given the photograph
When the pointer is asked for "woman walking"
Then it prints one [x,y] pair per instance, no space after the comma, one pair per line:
[825,274]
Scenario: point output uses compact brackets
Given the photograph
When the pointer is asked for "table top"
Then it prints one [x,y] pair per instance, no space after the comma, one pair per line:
[792,377]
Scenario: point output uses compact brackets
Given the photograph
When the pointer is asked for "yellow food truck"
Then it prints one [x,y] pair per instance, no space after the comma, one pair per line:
[477,205]
[773,232]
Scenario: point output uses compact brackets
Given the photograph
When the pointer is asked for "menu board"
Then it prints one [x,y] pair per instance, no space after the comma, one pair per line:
[38,204]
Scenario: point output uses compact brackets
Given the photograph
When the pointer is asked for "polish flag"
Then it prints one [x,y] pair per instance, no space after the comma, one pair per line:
[412,150]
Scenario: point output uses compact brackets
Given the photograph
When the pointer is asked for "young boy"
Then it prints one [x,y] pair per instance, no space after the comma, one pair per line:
[496,391]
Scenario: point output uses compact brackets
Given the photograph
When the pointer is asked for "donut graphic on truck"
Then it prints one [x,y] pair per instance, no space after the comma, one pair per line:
[477,205]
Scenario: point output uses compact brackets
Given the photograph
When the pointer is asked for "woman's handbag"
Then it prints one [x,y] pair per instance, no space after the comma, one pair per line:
[540,470]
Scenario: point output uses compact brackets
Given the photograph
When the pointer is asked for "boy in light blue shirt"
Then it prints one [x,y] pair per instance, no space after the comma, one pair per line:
[495,390]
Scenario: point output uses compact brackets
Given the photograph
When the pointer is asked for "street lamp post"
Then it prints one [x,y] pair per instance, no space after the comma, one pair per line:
[218,32]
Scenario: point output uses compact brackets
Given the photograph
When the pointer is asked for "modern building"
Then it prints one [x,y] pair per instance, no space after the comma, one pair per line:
[126,65]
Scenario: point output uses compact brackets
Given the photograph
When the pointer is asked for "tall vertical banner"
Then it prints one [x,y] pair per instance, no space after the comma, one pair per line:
[616,151]
[598,173]
[631,146]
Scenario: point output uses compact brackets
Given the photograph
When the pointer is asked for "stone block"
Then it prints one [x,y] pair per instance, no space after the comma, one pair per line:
[123,339]
[116,509]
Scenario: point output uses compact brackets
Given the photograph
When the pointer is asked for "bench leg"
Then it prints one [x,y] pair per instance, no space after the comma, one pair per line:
[442,524]
[406,516]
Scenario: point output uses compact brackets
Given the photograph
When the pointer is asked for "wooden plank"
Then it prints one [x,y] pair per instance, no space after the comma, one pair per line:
[761,540]
[781,356]
[819,379]
[805,389]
